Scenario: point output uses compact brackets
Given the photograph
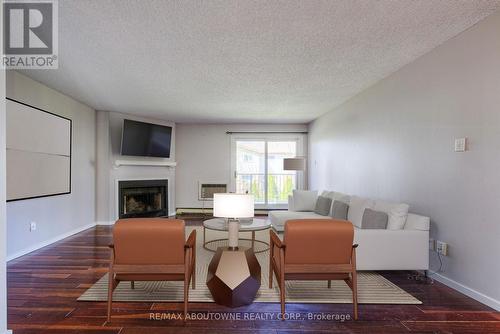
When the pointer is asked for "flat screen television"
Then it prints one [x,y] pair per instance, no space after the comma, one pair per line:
[146,139]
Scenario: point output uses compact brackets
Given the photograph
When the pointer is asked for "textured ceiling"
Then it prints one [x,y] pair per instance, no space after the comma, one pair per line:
[239,60]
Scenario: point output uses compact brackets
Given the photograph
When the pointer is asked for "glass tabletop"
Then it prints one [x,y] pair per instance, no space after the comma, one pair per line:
[255,224]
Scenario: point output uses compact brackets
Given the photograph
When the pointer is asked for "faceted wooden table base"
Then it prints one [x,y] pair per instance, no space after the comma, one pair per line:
[233,276]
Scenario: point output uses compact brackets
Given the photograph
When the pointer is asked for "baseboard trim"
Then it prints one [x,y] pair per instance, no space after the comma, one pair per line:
[105,223]
[474,294]
[112,222]
[48,242]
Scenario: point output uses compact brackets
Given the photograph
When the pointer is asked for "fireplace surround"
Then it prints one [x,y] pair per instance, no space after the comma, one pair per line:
[142,198]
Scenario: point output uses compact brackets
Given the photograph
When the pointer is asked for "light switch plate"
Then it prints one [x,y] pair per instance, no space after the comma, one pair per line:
[442,247]
[460,144]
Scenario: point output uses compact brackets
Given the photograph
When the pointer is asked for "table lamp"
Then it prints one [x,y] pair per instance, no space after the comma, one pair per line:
[232,207]
[297,164]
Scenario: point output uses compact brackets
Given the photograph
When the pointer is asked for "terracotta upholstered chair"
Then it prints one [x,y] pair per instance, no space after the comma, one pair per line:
[314,249]
[151,249]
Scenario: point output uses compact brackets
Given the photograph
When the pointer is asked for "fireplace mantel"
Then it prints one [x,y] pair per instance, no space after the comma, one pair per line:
[153,163]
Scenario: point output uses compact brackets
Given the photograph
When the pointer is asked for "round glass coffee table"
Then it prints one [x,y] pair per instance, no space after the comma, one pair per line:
[219,224]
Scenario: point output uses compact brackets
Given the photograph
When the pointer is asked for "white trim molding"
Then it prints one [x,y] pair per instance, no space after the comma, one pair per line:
[49,242]
[119,163]
[105,223]
[474,294]
[112,222]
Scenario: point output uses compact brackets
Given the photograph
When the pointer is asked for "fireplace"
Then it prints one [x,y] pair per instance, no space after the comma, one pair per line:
[143,198]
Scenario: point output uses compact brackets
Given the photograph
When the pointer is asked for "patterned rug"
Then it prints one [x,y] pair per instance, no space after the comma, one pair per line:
[372,287]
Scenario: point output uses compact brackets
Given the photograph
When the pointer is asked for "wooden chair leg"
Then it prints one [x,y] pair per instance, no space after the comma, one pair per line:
[354,276]
[132,285]
[355,294]
[282,298]
[271,256]
[193,279]
[282,282]
[329,284]
[110,292]
[186,296]
[271,274]
[194,269]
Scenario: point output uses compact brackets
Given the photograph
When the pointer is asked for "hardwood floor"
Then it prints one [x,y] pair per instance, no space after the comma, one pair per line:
[43,287]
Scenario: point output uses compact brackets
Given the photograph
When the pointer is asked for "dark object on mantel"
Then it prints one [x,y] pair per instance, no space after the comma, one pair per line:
[143,198]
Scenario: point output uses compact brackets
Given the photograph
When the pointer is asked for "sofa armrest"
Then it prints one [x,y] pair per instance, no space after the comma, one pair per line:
[290,203]
[381,249]
[417,222]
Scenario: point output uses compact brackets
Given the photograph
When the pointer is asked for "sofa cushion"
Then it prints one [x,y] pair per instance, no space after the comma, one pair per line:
[337,196]
[323,205]
[304,200]
[374,219]
[357,206]
[397,212]
[326,193]
[339,210]
[278,218]
[417,222]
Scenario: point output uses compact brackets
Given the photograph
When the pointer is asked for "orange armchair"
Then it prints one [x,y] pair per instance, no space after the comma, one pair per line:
[314,249]
[151,249]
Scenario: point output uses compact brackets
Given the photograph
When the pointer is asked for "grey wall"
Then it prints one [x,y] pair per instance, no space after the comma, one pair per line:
[109,131]
[395,141]
[55,216]
[103,158]
[3,221]
[204,154]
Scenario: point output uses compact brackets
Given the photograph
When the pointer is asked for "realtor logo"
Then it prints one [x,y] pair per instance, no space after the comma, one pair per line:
[30,34]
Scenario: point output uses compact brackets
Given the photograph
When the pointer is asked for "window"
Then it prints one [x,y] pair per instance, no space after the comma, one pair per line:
[257,168]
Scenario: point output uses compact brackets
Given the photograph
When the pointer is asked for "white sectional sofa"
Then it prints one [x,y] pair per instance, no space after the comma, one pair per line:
[403,245]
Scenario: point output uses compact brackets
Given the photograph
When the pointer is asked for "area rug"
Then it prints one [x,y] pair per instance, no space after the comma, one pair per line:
[372,287]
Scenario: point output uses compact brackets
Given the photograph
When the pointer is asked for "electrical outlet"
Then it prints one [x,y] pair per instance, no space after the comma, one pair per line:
[442,248]
[432,244]
[32,226]
[460,144]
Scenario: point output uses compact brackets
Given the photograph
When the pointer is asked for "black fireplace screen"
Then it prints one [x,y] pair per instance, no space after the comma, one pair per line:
[143,198]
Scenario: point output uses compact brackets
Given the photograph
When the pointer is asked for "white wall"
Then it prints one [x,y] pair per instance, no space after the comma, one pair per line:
[55,216]
[3,221]
[109,130]
[204,154]
[103,156]
[395,141]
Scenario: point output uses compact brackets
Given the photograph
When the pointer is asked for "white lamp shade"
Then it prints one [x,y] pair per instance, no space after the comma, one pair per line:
[233,205]
[294,164]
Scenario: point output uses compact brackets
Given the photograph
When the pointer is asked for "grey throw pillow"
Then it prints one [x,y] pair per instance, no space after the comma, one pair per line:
[323,205]
[339,210]
[374,219]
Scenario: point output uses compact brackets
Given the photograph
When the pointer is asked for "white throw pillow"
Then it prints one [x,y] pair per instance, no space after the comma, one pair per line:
[336,196]
[341,197]
[357,206]
[397,212]
[328,194]
[304,200]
